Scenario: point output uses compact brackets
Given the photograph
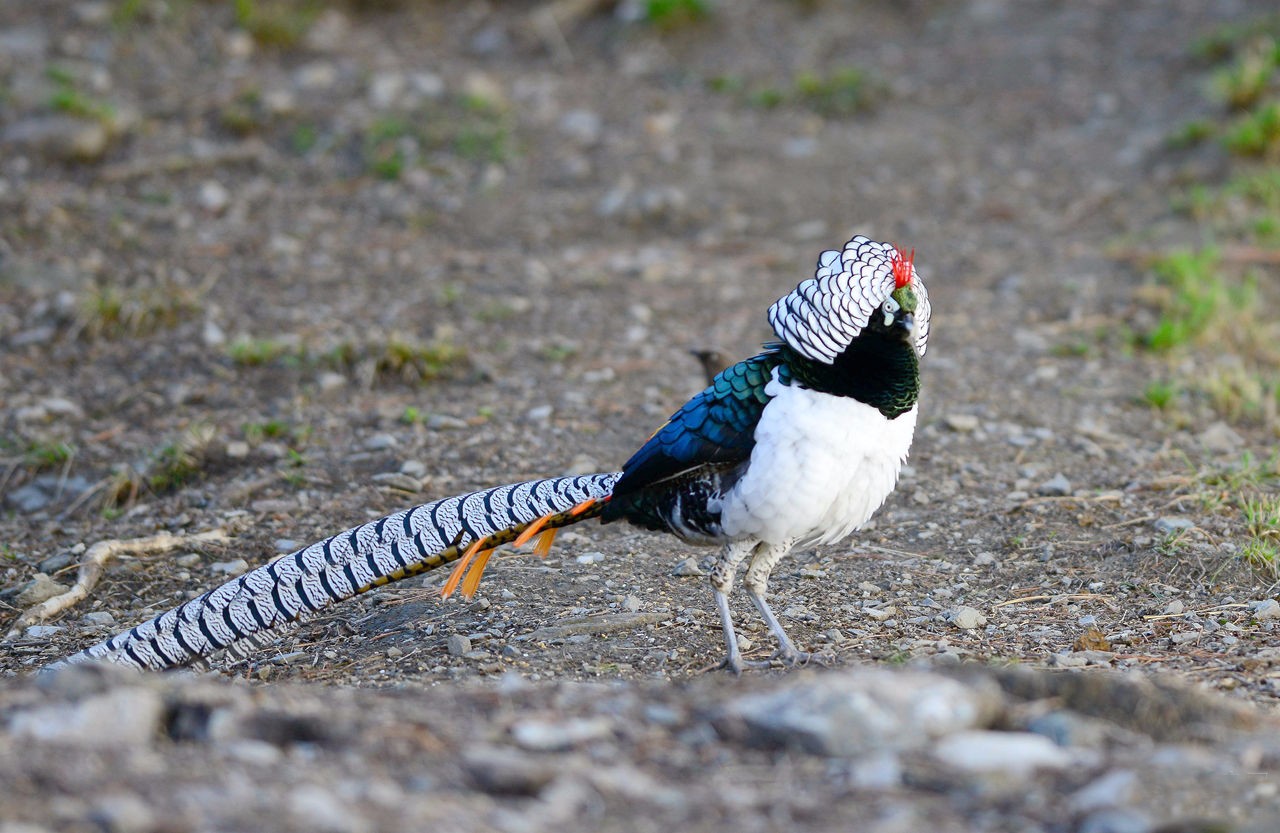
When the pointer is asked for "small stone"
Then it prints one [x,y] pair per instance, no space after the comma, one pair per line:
[211,334]
[213,196]
[558,736]
[229,568]
[414,468]
[386,88]
[59,137]
[127,715]
[799,147]
[582,126]
[330,381]
[687,567]
[444,422]
[1175,607]
[122,813]
[237,450]
[984,559]
[394,653]
[42,631]
[508,772]
[961,423]
[37,590]
[1265,609]
[541,413]
[1010,753]
[56,562]
[850,714]
[1221,438]
[880,614]
[285,545]
[1113,789]
[1125,820]
[631,603]
[320,809]
[1058,485]
[966,618]
[28,498]
[458,645]
[99,618]
[590,558]
[1173,525]
[380,442]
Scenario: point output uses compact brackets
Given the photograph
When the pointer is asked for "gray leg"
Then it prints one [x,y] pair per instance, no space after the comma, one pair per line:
[756,581]
[722,577]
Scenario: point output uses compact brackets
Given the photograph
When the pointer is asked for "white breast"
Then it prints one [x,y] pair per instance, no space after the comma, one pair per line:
[821,466]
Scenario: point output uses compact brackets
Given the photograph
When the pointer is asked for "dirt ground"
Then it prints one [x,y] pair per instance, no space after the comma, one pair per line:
[281,283]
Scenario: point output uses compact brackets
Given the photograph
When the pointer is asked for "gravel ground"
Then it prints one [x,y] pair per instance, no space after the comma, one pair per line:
[279,283]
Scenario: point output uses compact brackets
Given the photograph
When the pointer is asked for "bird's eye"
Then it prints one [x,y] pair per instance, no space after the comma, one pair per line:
[889,307]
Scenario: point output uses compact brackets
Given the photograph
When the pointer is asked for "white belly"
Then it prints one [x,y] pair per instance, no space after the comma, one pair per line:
[821,466]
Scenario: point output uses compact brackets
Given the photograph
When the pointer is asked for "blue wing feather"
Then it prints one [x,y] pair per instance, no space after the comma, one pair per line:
[716,426]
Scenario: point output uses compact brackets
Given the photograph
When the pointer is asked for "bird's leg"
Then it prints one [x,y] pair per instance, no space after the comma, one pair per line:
[722,577]
[756,581]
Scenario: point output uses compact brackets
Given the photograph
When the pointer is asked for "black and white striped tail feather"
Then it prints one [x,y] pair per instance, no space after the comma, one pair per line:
[258,607]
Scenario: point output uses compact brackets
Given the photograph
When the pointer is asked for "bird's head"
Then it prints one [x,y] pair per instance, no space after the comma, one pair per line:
[869,286]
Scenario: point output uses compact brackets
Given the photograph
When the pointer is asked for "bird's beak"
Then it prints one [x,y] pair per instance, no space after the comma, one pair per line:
[907,321]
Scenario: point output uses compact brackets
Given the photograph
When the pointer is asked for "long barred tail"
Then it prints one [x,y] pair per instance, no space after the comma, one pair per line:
[258,607]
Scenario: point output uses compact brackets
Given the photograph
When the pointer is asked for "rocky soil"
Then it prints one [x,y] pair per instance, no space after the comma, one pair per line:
[277,276]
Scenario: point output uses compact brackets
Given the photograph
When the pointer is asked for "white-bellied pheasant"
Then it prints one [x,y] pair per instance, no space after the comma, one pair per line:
[796,446]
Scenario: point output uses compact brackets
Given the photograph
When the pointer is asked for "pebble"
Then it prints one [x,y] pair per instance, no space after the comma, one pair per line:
[1118,820]
[458,645]
[56,562]
[631,603]
[229,568]
[966,618]
[1171,525]
[1110,790]
[414,468]
[1009,753]
[122,813]
[558,736]
[319,808]
[590,558]
[37,590]
[1265,609]
[63,138]
[582,126]
[380,442]
[541,413]
[444,422]
[1175,607]
[99,618]
[849,714]
[43,631]
[213,196]
[330,381]
[123,716]
[501,771]
[237,449]
[687,567]
[1058,485]
[961,423]
[1221,438]
[799,147]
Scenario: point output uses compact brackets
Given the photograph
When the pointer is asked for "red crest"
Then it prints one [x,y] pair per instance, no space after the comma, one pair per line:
[903,267]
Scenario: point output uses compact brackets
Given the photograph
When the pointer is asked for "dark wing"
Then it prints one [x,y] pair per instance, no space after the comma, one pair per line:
[715,427]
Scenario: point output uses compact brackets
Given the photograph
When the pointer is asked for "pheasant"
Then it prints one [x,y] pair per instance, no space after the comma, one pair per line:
[794,447]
